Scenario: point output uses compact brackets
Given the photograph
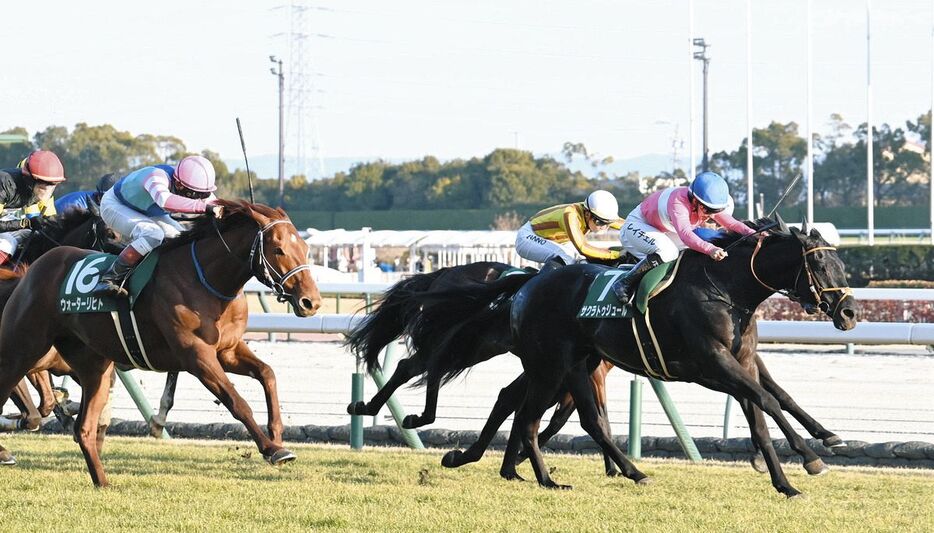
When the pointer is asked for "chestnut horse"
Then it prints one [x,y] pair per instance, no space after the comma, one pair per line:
[191,317]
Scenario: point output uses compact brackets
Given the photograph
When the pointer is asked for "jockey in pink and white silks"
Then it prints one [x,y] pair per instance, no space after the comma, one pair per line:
[664,223]
[138,207]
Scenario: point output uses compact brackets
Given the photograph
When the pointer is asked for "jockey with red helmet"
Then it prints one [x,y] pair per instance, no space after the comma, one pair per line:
[29,187]
[664,223]
[138,208]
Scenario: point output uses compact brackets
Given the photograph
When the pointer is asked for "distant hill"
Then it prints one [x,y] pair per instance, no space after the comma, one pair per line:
[267,167]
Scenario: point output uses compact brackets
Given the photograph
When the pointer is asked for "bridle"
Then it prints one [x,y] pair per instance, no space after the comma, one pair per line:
[267,270]
[260,267]
[817,291]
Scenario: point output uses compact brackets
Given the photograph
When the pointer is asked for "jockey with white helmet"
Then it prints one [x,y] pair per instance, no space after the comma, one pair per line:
[664,223]
[138,208]
[553,234]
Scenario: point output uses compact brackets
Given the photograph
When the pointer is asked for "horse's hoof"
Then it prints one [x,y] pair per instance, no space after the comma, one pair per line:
[452,459]
[511,476]
[552,485]
[795,495]
[410,422]
[6,458]
[833,441]
[759,464]
[645,481]
[280,457]
[816,468]
[356,408]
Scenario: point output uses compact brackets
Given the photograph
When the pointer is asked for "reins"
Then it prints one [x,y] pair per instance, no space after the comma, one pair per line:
[816,290]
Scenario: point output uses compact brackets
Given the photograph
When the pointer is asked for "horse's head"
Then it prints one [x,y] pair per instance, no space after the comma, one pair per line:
[823,284]
[279,257]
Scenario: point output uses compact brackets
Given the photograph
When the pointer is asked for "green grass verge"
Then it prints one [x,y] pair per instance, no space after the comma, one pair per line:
[188,486]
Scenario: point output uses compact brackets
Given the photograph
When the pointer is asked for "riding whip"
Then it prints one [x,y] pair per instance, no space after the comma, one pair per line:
[248,176]
[778,203]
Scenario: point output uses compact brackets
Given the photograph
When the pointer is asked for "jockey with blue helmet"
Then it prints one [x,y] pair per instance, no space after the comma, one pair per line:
[139,205]
[664,223]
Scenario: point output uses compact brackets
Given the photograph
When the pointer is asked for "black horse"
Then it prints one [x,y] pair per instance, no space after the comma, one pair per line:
[704,326]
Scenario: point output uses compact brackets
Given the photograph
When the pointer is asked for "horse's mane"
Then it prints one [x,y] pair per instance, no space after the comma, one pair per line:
[236,212]
[7,273]
[729,237]
[72,218]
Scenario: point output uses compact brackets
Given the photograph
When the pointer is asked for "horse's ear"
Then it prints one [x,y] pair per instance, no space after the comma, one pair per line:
[804,226]
[782,227]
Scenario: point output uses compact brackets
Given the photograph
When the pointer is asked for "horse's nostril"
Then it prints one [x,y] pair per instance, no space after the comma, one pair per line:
[307,303]
[848,314]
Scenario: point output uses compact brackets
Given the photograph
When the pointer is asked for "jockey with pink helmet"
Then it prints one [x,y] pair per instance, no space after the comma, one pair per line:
[139,205]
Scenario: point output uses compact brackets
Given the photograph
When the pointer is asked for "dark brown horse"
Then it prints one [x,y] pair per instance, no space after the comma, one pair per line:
[191,317]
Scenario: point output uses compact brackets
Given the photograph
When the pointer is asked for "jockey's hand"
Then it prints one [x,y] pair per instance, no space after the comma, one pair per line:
[217,211]
[718,254]
[33,223]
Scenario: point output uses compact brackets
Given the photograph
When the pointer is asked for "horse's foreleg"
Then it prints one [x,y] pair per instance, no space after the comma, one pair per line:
[595,423]
[760,436]
[405,370]
[243,361]
[208,370]
[812,426]
[507,402]
[95,392]
[157,422]
[42,382]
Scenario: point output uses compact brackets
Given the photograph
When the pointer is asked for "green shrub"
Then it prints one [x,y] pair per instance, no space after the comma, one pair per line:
[869,263]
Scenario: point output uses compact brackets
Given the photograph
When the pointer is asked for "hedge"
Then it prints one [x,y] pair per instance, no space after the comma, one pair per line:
[890,262]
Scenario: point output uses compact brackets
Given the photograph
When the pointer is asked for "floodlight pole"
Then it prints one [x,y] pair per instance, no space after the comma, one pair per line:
[701,55]
[281,77]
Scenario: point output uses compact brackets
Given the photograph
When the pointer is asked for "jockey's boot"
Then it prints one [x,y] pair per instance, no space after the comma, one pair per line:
[111,281]
[624,286]
[553,263]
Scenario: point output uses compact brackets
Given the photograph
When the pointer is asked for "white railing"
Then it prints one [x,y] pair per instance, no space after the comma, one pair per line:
[769,330]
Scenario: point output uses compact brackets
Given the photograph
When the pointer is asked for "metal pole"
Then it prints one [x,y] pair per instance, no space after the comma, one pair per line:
[810,135]
[750,193]
[281,136]
[706,157]
[687,443]
[136,393]
[635,418]
[262,302]
[870,222]
[691,87]
[931,144]
[727,416]
[356,395]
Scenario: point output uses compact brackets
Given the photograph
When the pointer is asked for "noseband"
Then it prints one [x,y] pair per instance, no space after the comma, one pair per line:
[817,291]
[266,270]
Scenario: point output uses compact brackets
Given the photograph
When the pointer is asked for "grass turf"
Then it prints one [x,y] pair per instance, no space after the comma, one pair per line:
[195,486]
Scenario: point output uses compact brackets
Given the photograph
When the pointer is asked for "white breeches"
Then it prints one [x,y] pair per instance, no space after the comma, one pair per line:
[143,232]
[640,238]
[539,249]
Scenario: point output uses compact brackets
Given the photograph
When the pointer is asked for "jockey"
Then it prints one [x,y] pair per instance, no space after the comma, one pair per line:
[663,225]
[138,207]
[82,200]
[29,187]
[553,234]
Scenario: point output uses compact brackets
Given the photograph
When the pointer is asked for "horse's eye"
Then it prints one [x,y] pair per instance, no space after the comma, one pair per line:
[819,255]
[279,251]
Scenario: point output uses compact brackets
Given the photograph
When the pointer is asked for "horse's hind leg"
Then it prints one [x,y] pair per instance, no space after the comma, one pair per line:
[23,400]
[243,361]
[42,382]
[595,424]
[539,397]
[507,402]
[812,426]
[157,422]
[431,403]
[208,370]
[760,436]
[405,370]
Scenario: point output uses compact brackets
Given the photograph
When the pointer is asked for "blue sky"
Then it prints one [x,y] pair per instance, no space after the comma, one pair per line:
[458,78]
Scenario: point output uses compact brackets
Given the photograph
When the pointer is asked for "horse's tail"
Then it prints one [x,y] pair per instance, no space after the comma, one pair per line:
[458,328]
[389,317]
